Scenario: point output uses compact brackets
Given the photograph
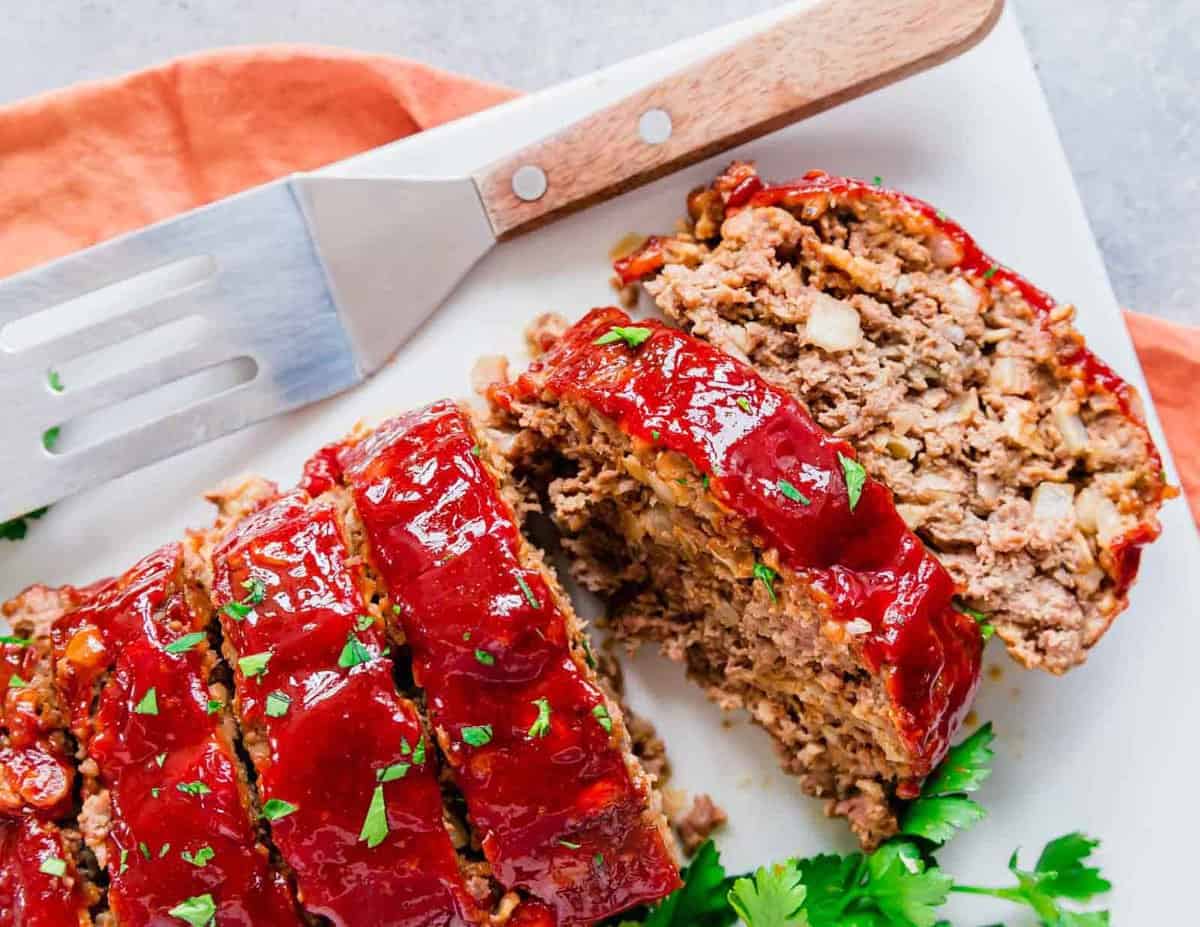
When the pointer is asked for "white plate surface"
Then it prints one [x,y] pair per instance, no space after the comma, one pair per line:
[1111,749]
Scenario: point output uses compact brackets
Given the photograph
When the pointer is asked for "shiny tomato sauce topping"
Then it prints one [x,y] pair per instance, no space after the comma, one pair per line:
[818,187]
[181,823]
[344,751]
[525,729]
[767,461]
[32,892]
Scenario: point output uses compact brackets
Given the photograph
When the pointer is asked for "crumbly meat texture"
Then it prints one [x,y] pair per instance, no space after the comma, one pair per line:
[675,574]
[1026,480]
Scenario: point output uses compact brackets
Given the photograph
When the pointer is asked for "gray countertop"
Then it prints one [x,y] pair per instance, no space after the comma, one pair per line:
[1122,81]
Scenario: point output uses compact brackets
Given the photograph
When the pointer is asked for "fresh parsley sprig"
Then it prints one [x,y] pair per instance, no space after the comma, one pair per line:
[943,808]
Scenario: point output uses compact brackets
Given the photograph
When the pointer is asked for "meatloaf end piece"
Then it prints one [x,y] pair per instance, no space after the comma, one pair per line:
[46,879]
[334,745]
[169,811]
[558,802]
[728,527]
[1015,454]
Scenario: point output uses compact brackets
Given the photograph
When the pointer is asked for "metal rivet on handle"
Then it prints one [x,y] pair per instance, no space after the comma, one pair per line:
[655,126]
[529,182]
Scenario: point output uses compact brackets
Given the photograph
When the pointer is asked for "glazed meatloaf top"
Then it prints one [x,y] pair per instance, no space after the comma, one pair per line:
[1016,455]
[801,493]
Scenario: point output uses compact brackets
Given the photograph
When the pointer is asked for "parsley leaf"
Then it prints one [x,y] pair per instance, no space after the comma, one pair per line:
[791,492]
[632,335]
[53,866]
[214,705]
[16,641]
[278,704]
[16,682]
[375,824]
[15,529]
[600,713]
[362,622]
[185,643]
[147,704]
[255,664]
[985,627]
[485,658]
[200,858]
[393,772]
[767,576]
[198,911]
[193,788]
[418,756]
[275,808]
[943,808]
[478,735]
[703,899]
[529,596]
[354,653]
[743,403]
[772,898]
[255,593]
[856,478]
[541,727]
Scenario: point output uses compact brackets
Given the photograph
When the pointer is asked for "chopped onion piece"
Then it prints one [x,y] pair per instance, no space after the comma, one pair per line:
[832,324]
[1070,425]
[1053,502]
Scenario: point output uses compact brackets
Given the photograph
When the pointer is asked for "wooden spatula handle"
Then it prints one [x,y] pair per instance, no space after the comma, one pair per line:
[824,54]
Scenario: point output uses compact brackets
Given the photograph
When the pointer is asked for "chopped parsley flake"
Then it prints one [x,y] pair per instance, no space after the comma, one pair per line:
[466,635]
[50,437]
[278,704]
[124,862]
[986,628]
[148,704]
[419,751]
[570,845]
[193,788]
[55,381]
[155,792]
[477,735]
[529,596]
[397,608]
[598,859]
[214,705]
[655,434]
[541,727]
[362,622]
[877,181]
[18,641]
[255,593]
[164,850]
[743,403]
[600,713]
[16,682]
[185,643]
[588,656]
[485,658]
[477,450]
[198,911]
[375,825]
[856,478]
[160,759]
[255,664]
[991,272]
[393,772]
[405,747]
[767,576]
[200,858]
[143,849]
[791,492]
[53,866]
[704,481]
[276,808]
[941,215]
[632,335]
[355,653]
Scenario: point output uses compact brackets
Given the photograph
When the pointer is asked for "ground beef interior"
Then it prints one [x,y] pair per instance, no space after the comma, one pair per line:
[1015,455]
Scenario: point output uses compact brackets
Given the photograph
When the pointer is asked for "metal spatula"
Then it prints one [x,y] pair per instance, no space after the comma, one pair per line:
[312,283]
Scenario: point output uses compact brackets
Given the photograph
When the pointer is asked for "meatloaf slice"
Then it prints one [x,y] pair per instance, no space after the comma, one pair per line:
[168,811]
[333,743]
[556,799]
[727,526]
[1015,454]
[46,878]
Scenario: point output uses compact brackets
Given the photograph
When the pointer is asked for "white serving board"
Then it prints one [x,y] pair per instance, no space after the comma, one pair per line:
[1110,749]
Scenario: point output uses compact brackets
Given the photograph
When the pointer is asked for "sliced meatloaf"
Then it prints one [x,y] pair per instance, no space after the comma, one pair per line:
[338,752]
[169,812]
[724,524]
[559,805]
[1015,454]
[47,878]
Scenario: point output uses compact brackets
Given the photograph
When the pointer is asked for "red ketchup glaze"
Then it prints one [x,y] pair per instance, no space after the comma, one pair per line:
[146,753]
[747,436]
[818,186]
[557,810]
[30,897]
[342,727]
[322,471]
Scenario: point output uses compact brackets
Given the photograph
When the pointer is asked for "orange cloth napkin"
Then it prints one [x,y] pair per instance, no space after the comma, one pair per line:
[84,164]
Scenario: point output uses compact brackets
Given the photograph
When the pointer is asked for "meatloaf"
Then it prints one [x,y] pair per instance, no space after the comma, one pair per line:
[1014,453]
[724,524]
[285,718]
